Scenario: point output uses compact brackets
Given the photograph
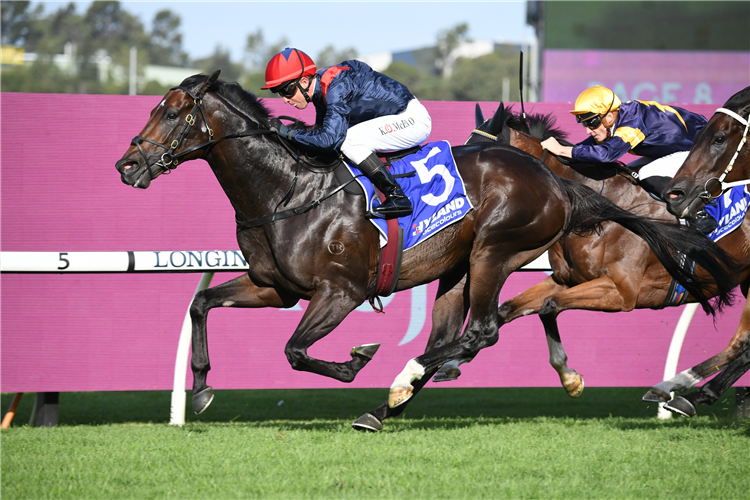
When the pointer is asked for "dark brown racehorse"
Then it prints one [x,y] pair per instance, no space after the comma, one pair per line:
[610,271]
[719,159]
[521,209]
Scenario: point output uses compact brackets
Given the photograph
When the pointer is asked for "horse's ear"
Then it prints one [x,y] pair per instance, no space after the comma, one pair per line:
[203,87]
[496,124]
[478,116]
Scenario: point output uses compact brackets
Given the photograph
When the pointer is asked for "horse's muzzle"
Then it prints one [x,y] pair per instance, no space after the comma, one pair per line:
[133,173]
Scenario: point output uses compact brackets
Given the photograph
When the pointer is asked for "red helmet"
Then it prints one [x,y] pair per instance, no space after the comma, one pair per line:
[289,64]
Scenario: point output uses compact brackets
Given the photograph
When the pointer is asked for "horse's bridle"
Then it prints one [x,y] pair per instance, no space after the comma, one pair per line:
[705,196]
[171,158]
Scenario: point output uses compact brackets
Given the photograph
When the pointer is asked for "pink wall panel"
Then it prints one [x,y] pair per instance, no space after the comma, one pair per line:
[668,77]
[60,192]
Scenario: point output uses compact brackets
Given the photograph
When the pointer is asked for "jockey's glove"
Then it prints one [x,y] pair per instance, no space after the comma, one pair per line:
[284,131]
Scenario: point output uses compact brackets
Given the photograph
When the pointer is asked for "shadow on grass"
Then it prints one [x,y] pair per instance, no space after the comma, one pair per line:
[326,408]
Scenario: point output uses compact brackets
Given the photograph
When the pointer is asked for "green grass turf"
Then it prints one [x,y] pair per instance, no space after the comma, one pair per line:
[450,443]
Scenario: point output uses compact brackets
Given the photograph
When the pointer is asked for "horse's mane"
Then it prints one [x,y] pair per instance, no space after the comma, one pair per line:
[541,127]
[537,125]
[240,98]
[739,100]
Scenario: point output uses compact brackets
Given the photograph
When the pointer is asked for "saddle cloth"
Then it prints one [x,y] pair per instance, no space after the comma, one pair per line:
[433,185]
[729,210]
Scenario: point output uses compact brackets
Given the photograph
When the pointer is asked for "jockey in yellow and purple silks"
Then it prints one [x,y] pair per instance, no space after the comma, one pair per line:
[661,135]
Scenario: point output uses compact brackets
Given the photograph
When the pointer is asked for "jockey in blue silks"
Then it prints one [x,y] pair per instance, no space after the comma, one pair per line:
[358,112]
[661,135]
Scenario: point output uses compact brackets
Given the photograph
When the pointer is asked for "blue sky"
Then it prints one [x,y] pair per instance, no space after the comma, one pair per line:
[369,27]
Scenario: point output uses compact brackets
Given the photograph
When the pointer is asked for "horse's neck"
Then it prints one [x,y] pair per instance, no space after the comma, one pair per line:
[257,174]
[616,188]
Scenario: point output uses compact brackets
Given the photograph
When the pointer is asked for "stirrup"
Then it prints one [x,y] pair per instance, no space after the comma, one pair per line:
[391,209]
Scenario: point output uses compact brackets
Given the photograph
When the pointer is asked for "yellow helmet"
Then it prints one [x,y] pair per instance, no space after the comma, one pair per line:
[595,101]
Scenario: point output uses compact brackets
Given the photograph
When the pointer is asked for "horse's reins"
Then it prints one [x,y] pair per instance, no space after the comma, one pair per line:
[746,123]
[170,159]
[705,195]
[545,152]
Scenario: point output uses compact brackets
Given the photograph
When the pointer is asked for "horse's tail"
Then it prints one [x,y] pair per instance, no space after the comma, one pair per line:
[667,240]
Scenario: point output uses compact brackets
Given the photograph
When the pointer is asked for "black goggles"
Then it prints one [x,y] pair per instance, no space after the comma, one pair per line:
[286,89]
[591,122]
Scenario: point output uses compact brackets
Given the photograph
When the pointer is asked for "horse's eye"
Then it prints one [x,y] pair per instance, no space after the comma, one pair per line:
[719,140]
[171,116]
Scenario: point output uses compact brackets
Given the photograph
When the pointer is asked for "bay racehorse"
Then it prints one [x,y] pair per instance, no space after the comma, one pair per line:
[719,160]
[611,270]
[520,209]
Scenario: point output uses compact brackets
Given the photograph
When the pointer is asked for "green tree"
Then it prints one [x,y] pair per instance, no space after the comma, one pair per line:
[166,40]
[258,52]
[221,59]
[448,41]
[14,20]
[330,56]
[481,78]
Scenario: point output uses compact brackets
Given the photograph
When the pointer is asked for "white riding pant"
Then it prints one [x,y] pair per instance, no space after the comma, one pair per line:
[407,129]
[666,166]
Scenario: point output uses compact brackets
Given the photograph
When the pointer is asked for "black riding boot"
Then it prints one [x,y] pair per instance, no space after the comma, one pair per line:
[396,203]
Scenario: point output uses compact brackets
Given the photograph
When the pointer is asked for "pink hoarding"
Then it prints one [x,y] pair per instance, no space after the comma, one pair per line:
[668,77]
[60,192]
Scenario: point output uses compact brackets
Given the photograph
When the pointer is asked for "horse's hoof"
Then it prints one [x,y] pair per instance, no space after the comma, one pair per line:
[575,389]
[202,399]
[365,350]
[681,406]
[368,422]
[399,396]
[655,395]
[446,374]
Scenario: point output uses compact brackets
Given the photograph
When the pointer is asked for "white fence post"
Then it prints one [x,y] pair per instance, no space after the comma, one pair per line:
[177,411]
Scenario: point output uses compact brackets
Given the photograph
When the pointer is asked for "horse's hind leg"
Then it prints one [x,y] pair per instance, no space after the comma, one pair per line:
[713,389]
[239,292]
[688,378]
[448,316]
[487,275]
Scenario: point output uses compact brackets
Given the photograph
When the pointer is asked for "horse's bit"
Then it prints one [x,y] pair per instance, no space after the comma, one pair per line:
[170,159]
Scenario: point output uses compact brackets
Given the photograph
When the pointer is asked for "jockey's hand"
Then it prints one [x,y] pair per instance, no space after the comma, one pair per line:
[556,148]
[281,129]
[284,132]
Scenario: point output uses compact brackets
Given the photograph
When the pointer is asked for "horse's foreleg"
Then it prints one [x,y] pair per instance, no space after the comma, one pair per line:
[688,378]
[448,316]
[326,311]
[239,292]
[481,330]
[601,294]
[713,389]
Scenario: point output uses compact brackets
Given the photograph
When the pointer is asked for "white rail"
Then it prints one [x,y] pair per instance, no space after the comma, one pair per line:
[208,262]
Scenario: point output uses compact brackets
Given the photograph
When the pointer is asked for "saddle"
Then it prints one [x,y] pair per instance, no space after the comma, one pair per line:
[344,176]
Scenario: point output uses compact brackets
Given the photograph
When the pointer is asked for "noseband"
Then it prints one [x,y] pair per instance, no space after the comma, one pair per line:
[705,195]
[170,159]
